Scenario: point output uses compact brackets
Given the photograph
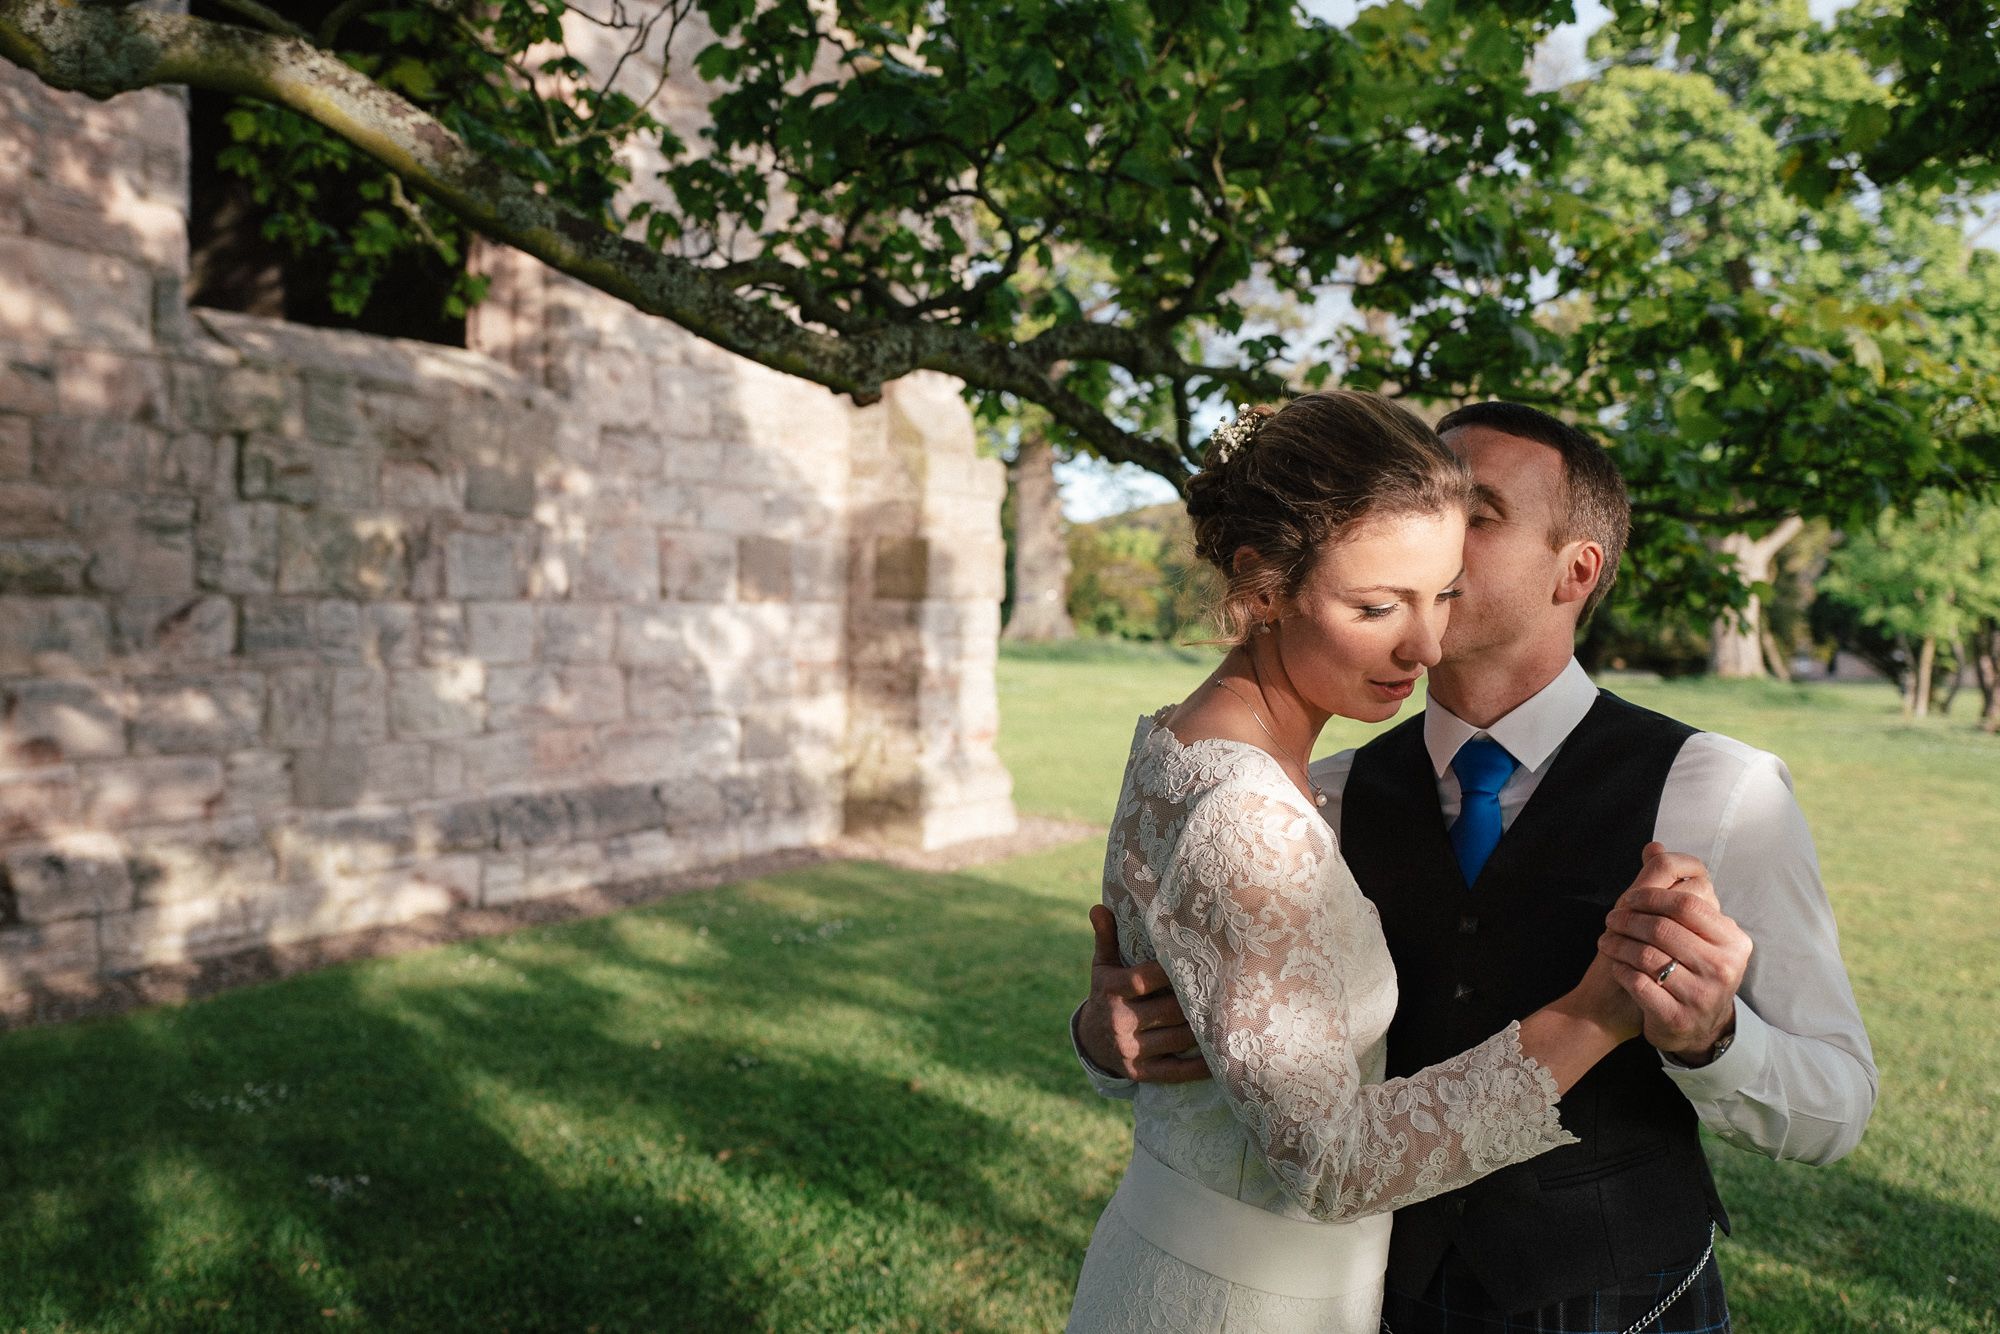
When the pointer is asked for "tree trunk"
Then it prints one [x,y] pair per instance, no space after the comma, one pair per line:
[1920,681]
[1041,555]
[1986,667]
[1737,645]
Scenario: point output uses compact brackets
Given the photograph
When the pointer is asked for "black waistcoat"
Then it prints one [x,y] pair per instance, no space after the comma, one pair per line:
[1635,1195]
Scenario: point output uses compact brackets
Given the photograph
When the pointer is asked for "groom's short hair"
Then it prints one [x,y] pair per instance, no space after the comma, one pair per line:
[1595,505]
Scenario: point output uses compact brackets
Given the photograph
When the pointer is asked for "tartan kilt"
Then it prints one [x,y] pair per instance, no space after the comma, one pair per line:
[1454,1303]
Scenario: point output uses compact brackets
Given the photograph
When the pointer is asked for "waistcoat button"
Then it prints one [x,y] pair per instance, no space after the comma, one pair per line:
[1461,991]
[1467,924]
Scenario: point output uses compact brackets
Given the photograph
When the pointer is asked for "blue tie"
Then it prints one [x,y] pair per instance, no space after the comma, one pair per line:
[1483,767]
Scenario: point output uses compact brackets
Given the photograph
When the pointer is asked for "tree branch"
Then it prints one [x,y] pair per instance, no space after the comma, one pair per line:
[103,52]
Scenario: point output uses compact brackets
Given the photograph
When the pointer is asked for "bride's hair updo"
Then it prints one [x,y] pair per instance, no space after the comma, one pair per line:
[1291,482]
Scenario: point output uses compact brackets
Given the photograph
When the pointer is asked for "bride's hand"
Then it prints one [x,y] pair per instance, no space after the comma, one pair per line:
[1601,993]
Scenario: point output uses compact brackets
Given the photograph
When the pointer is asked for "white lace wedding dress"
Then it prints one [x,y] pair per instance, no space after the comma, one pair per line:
[1279,1173]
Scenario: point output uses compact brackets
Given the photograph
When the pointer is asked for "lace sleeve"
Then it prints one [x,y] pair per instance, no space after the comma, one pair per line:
[1257,920]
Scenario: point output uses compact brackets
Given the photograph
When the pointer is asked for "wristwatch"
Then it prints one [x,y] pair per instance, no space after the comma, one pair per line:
[1721,1046]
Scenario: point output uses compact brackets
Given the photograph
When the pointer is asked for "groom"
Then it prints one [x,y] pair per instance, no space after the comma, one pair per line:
[1493,833]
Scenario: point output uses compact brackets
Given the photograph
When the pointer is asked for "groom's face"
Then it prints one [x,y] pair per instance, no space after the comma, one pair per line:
[1512,563]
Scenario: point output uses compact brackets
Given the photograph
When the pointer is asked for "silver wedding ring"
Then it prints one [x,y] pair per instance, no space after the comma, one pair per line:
[1667,972]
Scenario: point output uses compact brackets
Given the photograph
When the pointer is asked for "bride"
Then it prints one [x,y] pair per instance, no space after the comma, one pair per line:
[1260,1200]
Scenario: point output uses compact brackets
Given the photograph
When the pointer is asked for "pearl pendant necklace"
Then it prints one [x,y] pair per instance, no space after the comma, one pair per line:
[1318,796]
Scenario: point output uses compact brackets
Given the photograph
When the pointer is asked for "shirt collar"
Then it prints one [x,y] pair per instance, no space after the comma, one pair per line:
[1532,732]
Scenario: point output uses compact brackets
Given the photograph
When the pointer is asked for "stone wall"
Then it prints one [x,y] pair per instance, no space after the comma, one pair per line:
[303,631]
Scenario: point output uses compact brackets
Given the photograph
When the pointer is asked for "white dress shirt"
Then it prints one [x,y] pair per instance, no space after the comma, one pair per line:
[1799,1080]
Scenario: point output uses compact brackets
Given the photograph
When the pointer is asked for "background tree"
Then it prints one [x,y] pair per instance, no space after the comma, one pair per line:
[1929,577]
[875,180]
[1760,357]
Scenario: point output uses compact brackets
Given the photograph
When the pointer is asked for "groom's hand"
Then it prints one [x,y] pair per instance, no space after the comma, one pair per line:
[1132,1025]
[1670,915]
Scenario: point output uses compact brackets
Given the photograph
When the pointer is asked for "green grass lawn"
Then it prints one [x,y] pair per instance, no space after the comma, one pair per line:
[841,1098]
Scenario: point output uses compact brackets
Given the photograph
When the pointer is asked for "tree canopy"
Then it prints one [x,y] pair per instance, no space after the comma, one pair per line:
[1093,207]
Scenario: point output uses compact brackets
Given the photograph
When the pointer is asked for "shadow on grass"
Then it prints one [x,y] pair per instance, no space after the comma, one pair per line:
[485,1136]
[794,1104]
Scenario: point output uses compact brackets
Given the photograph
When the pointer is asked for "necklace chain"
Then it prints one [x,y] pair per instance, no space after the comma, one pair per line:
[1318,797]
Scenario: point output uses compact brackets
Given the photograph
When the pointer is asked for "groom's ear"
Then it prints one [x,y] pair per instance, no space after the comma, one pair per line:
[1582,565]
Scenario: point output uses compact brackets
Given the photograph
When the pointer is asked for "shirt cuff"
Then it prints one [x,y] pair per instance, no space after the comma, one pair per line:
[1102,1078]
[1727,1073]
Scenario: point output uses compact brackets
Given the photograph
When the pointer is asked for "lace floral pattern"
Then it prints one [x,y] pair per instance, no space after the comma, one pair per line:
[1218,867]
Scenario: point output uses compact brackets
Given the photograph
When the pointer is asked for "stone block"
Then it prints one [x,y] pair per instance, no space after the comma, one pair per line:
[326,847]
[17,444]
[331,405]
[398,771]
[566,752]
[301,472]
[384,898]
[456,826]
[437,702]
[179,932]
[532,696]
[55,291]
[329,777]
[577,632]
[531,820]
[604,810]
[256,399]
[338,631]
[447,769]
[223,856]
[422,484]
[667,635]
[31,511]
[139,544]
[675,504]
[486,565]
[389,634]
[819,570]
[197,714]
[27,382]
[631,454]
[705,567]
[501,632]
[297,707]
[358,705]
[32,955]
[354,555]
[691,802]
[43,565]
[620,564]
[491,489]
[97,382]
[91,451]
[189,461]
[739,511]
[175,631]
[34,805]
[763,569]
[686,400]
[503,879]
[236,547]
[649,752]
[408,423]
[256,782]
[277,627]
[901,568]
[497,762]
[49,722]
[153,790]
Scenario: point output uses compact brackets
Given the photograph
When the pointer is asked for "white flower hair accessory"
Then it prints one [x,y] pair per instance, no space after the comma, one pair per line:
[1232,438]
